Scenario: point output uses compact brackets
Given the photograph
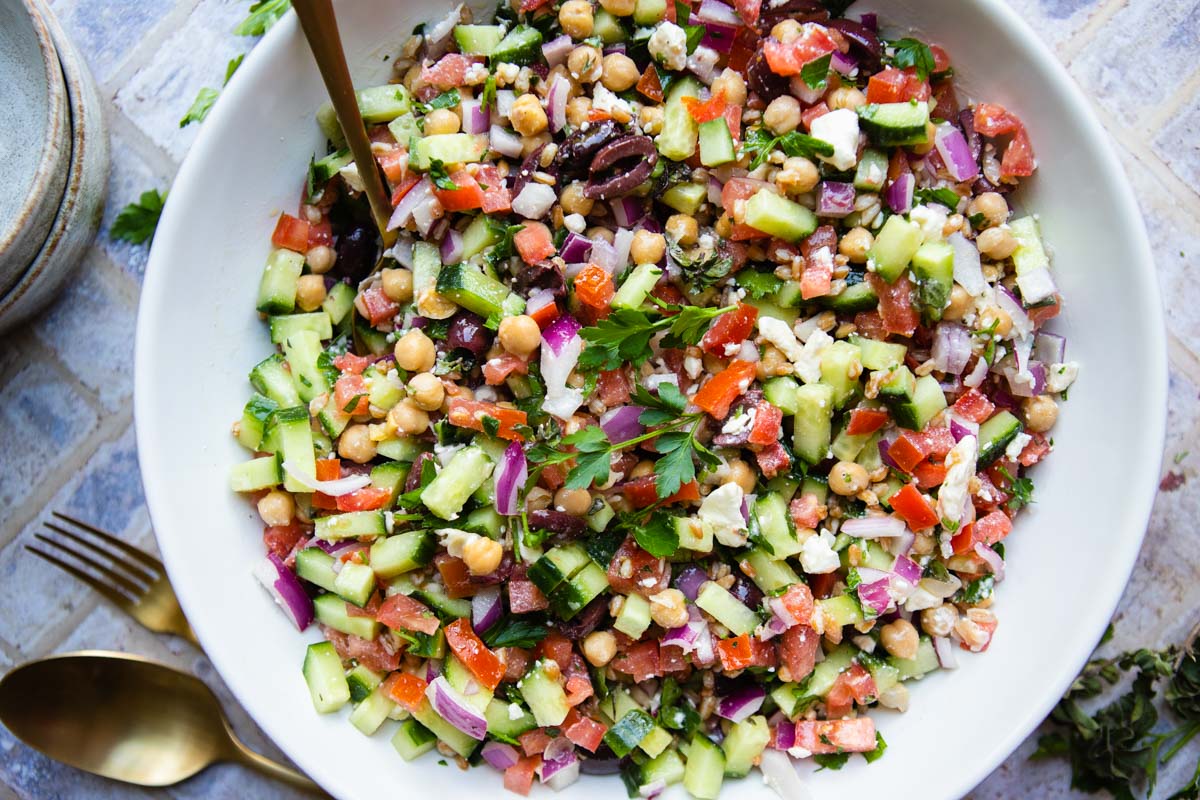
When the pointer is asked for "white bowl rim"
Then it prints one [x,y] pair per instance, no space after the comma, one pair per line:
[154,459]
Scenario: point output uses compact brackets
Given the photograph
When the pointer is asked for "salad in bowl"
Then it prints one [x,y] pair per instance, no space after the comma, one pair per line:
[685,424]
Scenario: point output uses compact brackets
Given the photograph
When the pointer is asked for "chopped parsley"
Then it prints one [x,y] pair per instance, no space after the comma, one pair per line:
[815,72]
[263,15]
[624,336]
[206,97]
[137,221]
[913,53]
[441,178]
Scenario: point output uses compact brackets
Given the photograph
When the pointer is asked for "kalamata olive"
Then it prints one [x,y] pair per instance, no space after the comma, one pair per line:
[864,43]
[542,275]
[585,621]
[966,121]
[357,249]
[468,332]
[763,82]
[800,10]
[413,481]
[611,173]
[576,152]
[745,591]
[529,166]
[566,525]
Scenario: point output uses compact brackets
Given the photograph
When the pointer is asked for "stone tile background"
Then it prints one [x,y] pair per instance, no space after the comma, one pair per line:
[66,381]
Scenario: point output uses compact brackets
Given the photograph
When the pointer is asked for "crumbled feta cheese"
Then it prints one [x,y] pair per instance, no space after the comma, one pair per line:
[818,557]
[703,62]
[1017,445]
[487,394]
[779,334]
[655,380]
[840,129]
[931,219]
[808,365]
[604,100]
[455,540]
[1060,376]
[389,522]
[921,599]
[506,73]
[668,46]
[693,366]
[822,257]
[864,643]
[515,711]
[475,75]
[960,466]
[534,201]
[740,423]
[352,177]
[445,452]
[721,513]
[575,223]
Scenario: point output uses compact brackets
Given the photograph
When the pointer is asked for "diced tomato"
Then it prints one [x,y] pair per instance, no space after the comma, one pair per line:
[631,567]
[394,163]
[768,425]
[456,576]
[613,387]
[895,304]
[531,5]
[406,689]
[649,84]
[1018,160]
[929,474]
[798,651]
[914,507]
[320,234]
[594,287]
[866,420]
[817,278]
[448,72]
[534,243]
[941,59]
[897,86]
[836,735]
[368,498]
[557,648]
[290,233]
[706,110]
[280,539]
[798,602]
[350,394]
[993,120]
[348,362]
[474,654]
[735,652]
[466,197]
[946,100]
[524,597]
[519,777]
[733,120]
[992,528]
[963,541]
[788,59]
[988,626]
[667,293]
[870,325]
[772,459]
[578,690]
[329,469]
[497,199]
[643,492]
[534,742]
[762,654]
[598,115]
[805,511]
[587,733]
[544,315]
[824,236]
[718,394]
[371,653]
[1035,451]
[401,612]
[973,405]
[748,10]
[496,370]
[639,660]
[379,308]
[855,685]
[813,113]
[402,188]
[911,448]
[470,413]
[1041,314]
[905,453]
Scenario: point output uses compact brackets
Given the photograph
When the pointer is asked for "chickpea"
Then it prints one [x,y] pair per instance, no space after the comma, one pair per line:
[939,620]
[573,200]
[733,85]
[895,698]
[960,303]
[355,444]
[642,469]
[320,259]
[799,175]
[599,647]
[971,628]
[847,478]
[408,417]
[575,502]
[618,8]
[741,474]
[997,316]
[651,119]
[647,247]
[620,73]
[668,608]
[930,137]
[310,292]
[996,243]
[845,97]
[597,232]
[578,109]
[398,284]
[441,120]
[527,115]
[1040,413]
[426,391]
[723,226]
[531,143]
[520,335]
[482,555]
[782,115]
[415,352]
[586,63]
[276,507]
[992,206]
[786,30]
[576,19]
[855,244]
[537,499]
[899,638]
[683,229]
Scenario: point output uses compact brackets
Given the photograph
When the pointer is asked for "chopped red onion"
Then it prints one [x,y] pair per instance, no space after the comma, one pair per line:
[556,102]
[622,243]
[907,569]
[505,142]
[454,708]
[1021,324]
[405,210]
[286,590]
[556,50]
[742,703]
[944,649]
[604,255]
[683,637]
[951,347]
[877,527]
[1050,348]
[1032,386]
[714,190]
[437,37]
[835,199]
[439,222]
[780,611]
[884,446]
[772,628]
[844,64]
[475,117]
[334,488]
[689,579]
[968,271]
[718,37]
[875,594]
[780,773]
[539,299]
[899,194]
[805,93]
[500,755]
[973,379]
[452,247]
[560,354]
[716,11]
[901,545]
[621,423]
[1036,285]
[575,248]
[652,789]
[509,479]
[704,654]
[956,153]
[628,211]
[562,332]
[994,561]
[785,734]
[560,772]
[486,608]
[960,429]
[433,668]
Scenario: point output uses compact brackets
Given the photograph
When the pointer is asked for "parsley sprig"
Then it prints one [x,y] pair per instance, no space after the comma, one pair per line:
[624,336]
[913,53]
[760,144]
[207,95]
[137,221]
[263,15]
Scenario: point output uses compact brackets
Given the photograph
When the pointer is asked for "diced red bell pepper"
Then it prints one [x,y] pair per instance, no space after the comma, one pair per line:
[290,233]
[963,541]
[519,777]
[466,197]
[706,110]
[788,59]
[825,736]
[368,498]
[534,243]
[594,287]
[929,474]
[718,394]
[866,420]
[350,394]
[468,648]
[973,405]
[401,612]
[378,307]
[735,652]
[406,689]
[643,492]
[896,304]
[768,425]
[586,733]
[497,369]
[724,338]
[455,576]
[914,507]
[470,413]
[649,85]
[905,453]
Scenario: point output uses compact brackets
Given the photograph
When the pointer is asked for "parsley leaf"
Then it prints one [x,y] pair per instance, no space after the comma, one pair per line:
[137,221]
[263,15]
[944,195]
[1021,490]
[815,72]
[674,467]
[702,267]
[447,99]
[694,33]
[913,53]
[880,749]
[488,97]
[834,761]
[441,178]
[515,632]
[760,143]
[658,536]
[206,96]
[978,590]
[624,336]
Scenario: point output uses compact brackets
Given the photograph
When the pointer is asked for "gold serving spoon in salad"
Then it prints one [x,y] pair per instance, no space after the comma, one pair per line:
[126,717]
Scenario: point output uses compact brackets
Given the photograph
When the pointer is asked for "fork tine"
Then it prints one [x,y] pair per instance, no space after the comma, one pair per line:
[115,597]
[128,549]
[116,558]
[115,577]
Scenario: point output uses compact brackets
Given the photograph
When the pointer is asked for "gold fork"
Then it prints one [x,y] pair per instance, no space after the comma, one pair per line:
[133,580]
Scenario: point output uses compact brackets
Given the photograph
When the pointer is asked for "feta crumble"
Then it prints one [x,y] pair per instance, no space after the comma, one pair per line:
[668,46]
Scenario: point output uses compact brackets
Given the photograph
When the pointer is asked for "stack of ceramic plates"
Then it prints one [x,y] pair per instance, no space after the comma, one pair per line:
[53,158]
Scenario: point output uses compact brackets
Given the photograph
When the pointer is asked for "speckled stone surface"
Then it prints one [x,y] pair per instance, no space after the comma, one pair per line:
[66,380]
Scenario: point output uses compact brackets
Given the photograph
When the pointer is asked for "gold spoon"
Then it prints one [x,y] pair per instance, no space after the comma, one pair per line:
[320,29]
[126,717]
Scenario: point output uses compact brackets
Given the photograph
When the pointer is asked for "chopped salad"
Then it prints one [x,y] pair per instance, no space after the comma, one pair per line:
[684,424]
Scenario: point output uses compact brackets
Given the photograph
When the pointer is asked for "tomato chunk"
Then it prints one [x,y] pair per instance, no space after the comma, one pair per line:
[632,569]
[350,394]
[470,414]
[836,735]
[449,71]
[368,498]
[855,685]
[798,651]
[487,668]
[466,197]
[789,58]
[914,507]
[718,394]
[735,652]
[974,406]
[290,233]
[650,85]
[401,612]
[496,196]
[639,660]
[643,492]
[519,777]
[407,690]
[866,420]
[594,287]
[727,333]
[379,308]
[896,304]
[706,110]
[992,528]
[587,733]
[534,243]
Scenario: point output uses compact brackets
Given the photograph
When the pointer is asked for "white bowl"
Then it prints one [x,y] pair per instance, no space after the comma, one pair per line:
[1069,556]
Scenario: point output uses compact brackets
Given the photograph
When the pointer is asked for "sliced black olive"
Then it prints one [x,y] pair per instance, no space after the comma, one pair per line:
[612,174]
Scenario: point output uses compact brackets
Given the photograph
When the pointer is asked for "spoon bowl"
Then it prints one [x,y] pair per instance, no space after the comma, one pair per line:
[124,717]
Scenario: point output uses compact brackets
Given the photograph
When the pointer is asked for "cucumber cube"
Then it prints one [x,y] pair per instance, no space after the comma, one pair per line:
[778,216]
[325,678]
[894,248]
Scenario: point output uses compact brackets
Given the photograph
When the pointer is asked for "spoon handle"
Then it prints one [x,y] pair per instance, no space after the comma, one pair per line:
[244,755]
[320,29]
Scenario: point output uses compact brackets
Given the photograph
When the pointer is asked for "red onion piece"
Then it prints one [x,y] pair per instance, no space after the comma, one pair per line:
[622,243]
[560,333]
[621,423]
[500,755]
[509,479]
[873,527]
[968,271]
[1050,348]
[1036,285]
[486,608]
[975,377]
[907,569]
[944,649]
[556,103]
[835,199]
[683,637]
[742,703]
[576,248]
[689,579]
[716,11]
[1028,388]
[1022,325]
[899,195]
[561,773]
[875,594]
[951,348]
[557,50]
[286,590]
[718,37]
[604,255]
[844,64]
[433,668]
[785,735]
[475,117]
[994,561]
[960,430]
[452,247]
[505,142]
[884,446]
[628,211]
[452,707]
[956,153]
[408,204]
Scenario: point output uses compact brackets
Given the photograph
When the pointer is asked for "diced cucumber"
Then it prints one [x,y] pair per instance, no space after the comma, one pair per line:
[600,515]
[277,289]
[461,679]
[628,732]
[885,676]
[925,661]
[446,607]
[295,444]
[879,355]
[666,767]
[995,435]
[686,198]
[283,325]
[324,168]
[350,525]
[875,557]
[694,536]
[413,740]
[484,521]
[255,474]
[544,696]
[782,392]
[768,308]
[331,611]
[500,720]
[679,131]
[478,236]
[400,448]
[404,129]
[522,45]
[333,419]
[869,457]
[303,352]
[774,524]
[254,419]
[894,247]
[1030,254]
[637,286]
[726,609]
[585,586]
[634,618]
[656,741]
[376,342]
[855,297]
[927,400]
[841,609]
[338,302]
[316,566]
[786,697]
[607,27]
[355,583]
[705,770]
[768,573]
[840,362]
[825,674]
[895,124]
[458,741]
[383,103]
[371,712]
[465,473]
[557,567]
[790,294]
[813,424]
[648,12]
[477,292]
[846,447]
[933,268]
[716,143]
[872,171]
[449,148]
[774,214]
[325,678]
[478,40]
[362,680]
[743,745]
